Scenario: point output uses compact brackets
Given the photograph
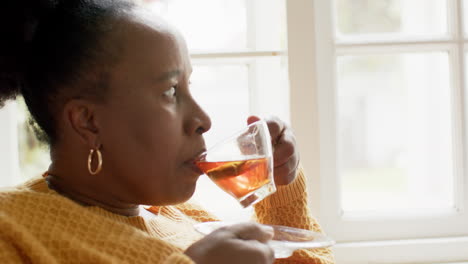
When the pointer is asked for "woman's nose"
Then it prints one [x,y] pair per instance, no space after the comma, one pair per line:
[199,122]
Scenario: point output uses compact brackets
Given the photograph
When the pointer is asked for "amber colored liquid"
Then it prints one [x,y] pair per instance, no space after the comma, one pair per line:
[237,177]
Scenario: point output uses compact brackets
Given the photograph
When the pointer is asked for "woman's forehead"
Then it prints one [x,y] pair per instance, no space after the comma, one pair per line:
[143,28]
[151,49]
[154,23]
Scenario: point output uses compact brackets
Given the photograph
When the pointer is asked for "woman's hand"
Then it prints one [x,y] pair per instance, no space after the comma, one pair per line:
[241,243]
[285,153]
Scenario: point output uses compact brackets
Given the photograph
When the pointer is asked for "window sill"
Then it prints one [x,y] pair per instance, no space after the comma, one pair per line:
[422,251]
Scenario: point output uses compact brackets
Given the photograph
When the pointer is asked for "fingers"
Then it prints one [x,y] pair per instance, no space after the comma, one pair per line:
[241,243]
[285,160]
[252,238]
[256,252]
[285,148]
[286,173]
[275,126]
[252,231]
[285,156]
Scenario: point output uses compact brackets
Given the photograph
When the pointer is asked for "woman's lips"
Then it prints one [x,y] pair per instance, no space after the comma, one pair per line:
[193,166]
[192,163]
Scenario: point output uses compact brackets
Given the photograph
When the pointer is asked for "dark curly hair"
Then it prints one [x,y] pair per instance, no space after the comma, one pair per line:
[53,51]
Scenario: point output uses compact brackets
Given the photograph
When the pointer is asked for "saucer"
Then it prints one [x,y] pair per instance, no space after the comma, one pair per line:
[285,240]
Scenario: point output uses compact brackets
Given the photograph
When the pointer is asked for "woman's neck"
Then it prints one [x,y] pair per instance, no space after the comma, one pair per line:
[87,196]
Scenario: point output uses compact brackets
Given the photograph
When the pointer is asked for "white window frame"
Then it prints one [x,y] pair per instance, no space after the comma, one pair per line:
[437,237]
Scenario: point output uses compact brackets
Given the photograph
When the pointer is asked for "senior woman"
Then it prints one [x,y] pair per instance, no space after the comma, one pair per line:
[108,86]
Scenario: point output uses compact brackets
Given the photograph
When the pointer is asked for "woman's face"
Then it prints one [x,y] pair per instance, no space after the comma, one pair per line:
[151,127]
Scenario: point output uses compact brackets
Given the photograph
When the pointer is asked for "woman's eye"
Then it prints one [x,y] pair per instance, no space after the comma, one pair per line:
[171,92]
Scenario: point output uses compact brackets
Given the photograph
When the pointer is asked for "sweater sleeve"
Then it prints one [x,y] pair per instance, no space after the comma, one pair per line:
[288,206]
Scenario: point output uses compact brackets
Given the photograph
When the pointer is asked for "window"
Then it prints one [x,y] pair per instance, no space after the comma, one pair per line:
[384,139]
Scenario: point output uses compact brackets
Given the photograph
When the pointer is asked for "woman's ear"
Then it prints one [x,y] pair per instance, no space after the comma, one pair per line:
[80,118]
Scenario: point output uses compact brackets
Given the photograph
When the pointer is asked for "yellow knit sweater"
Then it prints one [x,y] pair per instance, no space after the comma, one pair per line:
[37,225]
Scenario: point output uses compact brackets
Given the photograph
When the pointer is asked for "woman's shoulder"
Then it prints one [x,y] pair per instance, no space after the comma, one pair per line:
[35,185]
[29,196]
[30,184]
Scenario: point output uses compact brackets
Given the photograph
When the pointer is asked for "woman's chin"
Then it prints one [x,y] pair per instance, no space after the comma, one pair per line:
[186,195]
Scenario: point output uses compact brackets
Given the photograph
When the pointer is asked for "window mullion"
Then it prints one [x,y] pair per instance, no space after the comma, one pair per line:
[462,181]
[394,48]
[386,41]
[459,99]
[238,54]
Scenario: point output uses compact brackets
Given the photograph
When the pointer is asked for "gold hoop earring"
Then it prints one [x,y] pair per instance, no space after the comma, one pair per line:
[90,159]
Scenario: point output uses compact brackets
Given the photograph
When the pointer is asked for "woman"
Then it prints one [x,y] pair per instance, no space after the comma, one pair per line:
[108,86]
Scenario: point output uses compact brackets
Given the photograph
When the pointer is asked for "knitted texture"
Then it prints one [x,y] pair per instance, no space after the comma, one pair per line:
[288,207]
[37,225]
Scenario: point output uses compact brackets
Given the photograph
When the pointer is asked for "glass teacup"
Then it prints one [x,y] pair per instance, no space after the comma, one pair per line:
[242,164]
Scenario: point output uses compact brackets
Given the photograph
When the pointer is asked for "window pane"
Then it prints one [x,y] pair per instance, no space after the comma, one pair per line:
[395,131]
[207,24]
[391,17]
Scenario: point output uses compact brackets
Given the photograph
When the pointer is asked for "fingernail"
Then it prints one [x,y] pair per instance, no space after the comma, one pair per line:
[268,229]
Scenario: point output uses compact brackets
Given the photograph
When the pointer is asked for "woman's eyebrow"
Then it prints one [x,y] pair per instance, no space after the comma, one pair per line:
[168,75]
